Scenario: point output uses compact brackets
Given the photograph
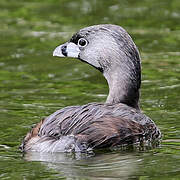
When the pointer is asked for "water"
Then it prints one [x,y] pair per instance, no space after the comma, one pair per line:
[33,84]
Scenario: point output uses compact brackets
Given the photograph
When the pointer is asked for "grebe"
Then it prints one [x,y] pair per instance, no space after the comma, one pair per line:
[118,121]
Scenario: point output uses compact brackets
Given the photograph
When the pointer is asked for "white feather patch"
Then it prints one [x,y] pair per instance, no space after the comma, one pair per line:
[72,50]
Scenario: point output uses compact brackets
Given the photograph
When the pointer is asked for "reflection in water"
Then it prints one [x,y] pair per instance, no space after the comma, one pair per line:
[102,166]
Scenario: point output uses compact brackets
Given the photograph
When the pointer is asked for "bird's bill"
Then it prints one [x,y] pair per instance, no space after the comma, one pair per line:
[68,49]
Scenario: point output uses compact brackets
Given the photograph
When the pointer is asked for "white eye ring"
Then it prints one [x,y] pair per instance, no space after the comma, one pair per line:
[82,42]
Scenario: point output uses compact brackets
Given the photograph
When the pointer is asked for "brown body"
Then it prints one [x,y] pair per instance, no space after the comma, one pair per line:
[90,126]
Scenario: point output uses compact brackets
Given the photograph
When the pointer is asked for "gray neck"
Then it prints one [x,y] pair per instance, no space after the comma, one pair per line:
[124,84]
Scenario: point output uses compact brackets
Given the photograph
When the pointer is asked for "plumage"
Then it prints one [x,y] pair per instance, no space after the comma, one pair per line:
[117,122]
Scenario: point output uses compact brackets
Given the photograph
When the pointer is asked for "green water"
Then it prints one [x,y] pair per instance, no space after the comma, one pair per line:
[33,84]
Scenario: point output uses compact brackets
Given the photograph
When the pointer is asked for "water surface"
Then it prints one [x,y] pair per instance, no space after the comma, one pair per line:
[33,84]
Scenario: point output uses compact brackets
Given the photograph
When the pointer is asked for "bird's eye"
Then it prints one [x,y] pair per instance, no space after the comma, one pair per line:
[82,42]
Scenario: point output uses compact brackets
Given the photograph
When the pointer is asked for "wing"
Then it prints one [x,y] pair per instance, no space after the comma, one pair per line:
[109,131]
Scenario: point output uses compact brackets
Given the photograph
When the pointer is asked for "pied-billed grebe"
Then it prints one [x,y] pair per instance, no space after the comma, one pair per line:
[119,121]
